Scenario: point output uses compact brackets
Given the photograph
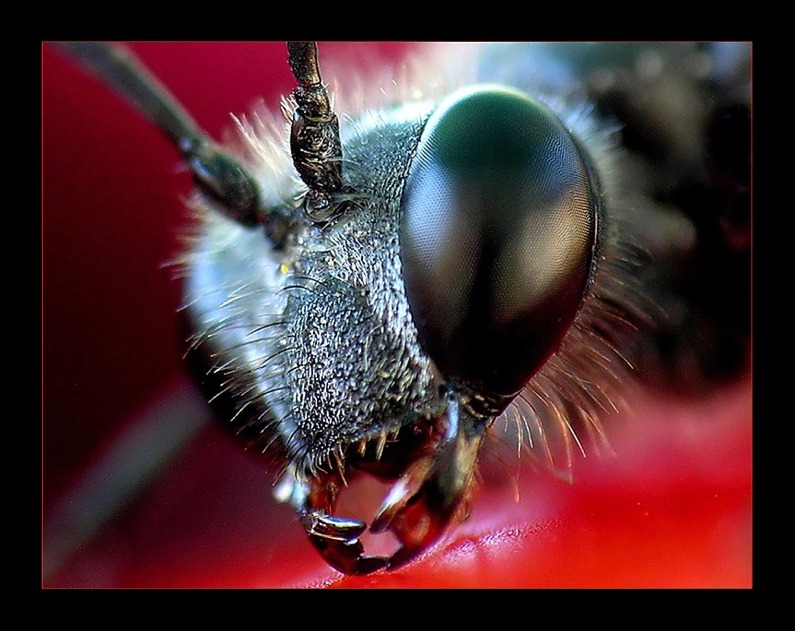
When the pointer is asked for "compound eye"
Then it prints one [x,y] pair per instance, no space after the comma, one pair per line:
[497,236]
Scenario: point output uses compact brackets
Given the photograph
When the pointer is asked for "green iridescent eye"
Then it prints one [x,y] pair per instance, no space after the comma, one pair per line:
[498,229]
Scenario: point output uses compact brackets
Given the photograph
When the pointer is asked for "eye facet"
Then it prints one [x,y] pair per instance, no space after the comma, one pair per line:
[497,237]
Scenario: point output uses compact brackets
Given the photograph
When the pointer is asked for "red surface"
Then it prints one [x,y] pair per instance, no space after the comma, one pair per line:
[673,509]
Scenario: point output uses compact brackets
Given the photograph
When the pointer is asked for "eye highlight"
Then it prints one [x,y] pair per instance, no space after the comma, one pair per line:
[497,237]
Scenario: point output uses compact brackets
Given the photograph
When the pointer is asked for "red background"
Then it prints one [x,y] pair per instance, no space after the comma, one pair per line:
[674,509]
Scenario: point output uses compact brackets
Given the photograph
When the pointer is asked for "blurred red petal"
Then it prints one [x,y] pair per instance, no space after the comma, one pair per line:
[672,509]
